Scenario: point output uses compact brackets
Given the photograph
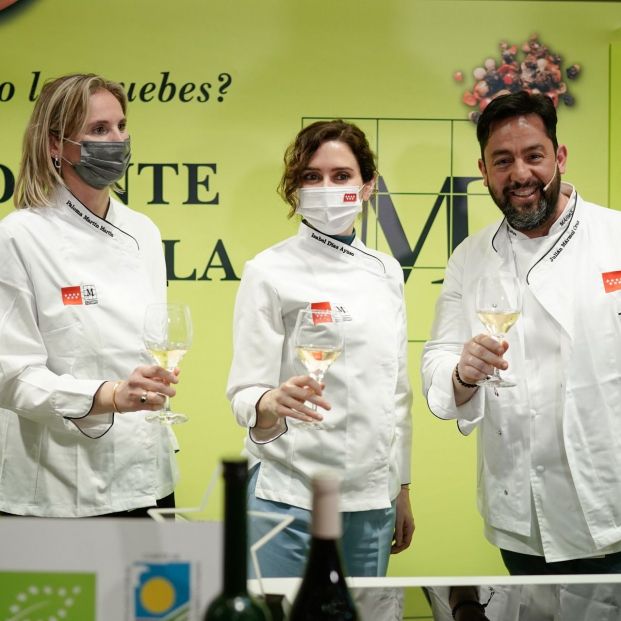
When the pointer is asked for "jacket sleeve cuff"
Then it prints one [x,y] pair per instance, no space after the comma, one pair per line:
[76,402]
[93,426]
[441,400]
[263,436]
[244,405]
[61,404]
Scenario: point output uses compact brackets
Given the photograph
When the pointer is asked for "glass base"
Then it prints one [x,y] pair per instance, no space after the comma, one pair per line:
[166,418]
[504,383]
[318,426]
[497,382]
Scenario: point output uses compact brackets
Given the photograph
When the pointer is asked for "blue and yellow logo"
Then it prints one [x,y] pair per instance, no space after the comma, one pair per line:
[162,591]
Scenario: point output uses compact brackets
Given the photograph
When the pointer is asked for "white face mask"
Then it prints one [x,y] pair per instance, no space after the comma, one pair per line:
[331,210]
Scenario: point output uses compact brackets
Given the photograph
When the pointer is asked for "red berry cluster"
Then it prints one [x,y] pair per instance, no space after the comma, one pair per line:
[539,71]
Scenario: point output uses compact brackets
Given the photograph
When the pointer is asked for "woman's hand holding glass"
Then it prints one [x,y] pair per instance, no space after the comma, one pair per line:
[288,400]
[318,342]
[145,389]
[167,336]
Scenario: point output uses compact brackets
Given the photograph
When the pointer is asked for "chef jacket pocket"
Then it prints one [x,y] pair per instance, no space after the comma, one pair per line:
[63,345]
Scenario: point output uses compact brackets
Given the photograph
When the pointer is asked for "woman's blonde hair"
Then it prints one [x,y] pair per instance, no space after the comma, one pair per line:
[60,111]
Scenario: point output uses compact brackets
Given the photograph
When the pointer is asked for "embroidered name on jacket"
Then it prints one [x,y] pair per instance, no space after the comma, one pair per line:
[331,243]
[80,294]
[96,225]
[565,241]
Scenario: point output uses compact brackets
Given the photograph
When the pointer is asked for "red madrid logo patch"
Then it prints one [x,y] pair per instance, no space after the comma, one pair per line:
[319,312]
[71,295]
[612,281]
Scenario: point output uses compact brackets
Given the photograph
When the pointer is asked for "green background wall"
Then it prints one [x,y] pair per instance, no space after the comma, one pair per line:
[615,121]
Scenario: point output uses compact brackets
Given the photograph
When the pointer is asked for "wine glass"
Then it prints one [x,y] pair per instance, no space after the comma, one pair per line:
[167,336]
[318,342]
[498,306]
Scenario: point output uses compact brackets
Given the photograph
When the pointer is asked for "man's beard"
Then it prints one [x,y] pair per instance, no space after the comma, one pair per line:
[527,218]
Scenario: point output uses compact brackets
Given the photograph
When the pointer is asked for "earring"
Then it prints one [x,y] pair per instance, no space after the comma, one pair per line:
[369,190]
[56,161]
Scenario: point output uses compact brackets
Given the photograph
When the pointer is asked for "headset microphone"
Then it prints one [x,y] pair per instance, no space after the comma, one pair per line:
[547,185]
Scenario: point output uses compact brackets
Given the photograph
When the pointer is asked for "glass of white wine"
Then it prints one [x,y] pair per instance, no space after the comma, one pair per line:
[498,305]
[318,342]
[167,336]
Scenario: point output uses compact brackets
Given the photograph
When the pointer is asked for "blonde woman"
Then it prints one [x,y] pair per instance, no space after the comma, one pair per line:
[76,271]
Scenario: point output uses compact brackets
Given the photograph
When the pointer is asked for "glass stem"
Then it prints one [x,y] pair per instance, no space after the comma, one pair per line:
[318,377]
[500,338]
[165,413]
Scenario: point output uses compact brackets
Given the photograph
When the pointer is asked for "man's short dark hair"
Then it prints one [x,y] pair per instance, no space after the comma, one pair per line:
[517,104]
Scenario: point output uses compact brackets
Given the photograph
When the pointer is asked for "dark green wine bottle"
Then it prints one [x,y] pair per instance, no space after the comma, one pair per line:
[234,603]
[323,593]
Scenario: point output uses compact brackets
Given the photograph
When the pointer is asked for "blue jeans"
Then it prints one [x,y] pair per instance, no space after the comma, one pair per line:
[365,545]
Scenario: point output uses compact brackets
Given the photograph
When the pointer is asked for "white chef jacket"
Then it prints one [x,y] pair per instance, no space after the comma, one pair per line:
[73,291]
[369,435]
[539,602]
[568,281]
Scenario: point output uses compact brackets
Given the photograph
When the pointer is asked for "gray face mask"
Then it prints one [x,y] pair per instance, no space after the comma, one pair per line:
[101,163]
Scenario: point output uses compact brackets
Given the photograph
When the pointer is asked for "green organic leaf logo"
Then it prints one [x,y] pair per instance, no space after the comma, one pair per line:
[36,596]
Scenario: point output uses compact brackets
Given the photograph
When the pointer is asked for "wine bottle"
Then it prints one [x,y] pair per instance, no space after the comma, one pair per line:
[234,603]
[323,594]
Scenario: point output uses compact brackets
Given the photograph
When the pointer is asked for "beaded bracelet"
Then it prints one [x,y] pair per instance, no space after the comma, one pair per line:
[467,602]
[461,381]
